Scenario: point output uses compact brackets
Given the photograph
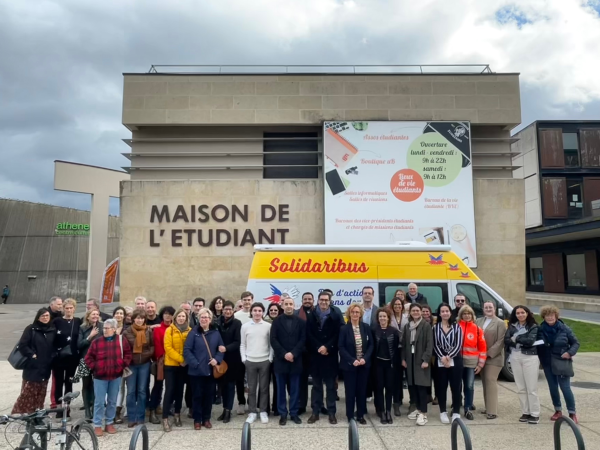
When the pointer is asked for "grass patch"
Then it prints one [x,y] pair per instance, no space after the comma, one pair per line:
[587,333]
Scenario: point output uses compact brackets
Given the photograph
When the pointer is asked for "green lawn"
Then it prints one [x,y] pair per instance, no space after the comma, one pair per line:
[587,333]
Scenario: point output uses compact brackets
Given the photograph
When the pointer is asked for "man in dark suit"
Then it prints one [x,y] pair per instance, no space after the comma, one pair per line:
[304,312]
[288,337]
[323,331]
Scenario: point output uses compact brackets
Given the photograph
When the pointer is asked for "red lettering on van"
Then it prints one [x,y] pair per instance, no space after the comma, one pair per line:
[297,266]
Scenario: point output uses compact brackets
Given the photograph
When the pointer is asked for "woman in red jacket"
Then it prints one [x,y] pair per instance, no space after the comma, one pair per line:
[474,355]
[166,314]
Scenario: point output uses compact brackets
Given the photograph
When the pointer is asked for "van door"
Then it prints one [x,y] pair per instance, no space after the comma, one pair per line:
[435,292]
[476,296]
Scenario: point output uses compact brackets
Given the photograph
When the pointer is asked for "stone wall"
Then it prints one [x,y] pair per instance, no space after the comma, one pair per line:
[173,274]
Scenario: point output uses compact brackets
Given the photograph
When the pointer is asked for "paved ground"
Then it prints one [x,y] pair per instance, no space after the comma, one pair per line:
[505,433]
[575,315]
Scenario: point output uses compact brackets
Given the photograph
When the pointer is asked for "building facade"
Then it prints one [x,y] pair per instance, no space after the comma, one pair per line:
[561,167]
[219,162]
[44,250]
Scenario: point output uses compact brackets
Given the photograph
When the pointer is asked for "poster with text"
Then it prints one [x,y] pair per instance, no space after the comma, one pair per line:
[400,181]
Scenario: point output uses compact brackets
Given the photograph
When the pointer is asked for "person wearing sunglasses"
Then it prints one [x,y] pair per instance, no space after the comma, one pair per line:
[459,301]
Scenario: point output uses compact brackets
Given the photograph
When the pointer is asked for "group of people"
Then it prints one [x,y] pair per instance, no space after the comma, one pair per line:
[148,362]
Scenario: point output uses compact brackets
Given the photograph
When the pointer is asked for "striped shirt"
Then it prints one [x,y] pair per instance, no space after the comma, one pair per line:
[447,344]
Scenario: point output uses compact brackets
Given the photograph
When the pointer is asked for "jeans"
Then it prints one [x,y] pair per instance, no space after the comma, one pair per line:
[554,382]
[137,383]
[285,380]
[228,392]
[468,378]
[105,390]
[175,377]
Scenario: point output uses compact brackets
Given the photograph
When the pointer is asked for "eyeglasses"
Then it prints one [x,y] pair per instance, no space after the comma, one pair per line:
[273,310]
[204,317]
[458,300]
[227,309]
[467,314]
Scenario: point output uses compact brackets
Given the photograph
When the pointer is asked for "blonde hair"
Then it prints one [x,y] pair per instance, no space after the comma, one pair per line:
[351,307]
[464,309]
[70,301]
[179,311]
[86,318]
[548,310]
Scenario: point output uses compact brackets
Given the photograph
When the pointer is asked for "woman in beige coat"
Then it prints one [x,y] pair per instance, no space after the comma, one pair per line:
[494,330]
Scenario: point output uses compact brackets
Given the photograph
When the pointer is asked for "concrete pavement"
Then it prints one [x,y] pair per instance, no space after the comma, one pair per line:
[590,317]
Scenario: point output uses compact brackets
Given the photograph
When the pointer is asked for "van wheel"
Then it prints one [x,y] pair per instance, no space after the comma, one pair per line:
[507,372]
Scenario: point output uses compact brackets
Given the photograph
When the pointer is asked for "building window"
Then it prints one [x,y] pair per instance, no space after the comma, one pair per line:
[571,148]
[536,272]
[576,270]
[574,199]
[294,156]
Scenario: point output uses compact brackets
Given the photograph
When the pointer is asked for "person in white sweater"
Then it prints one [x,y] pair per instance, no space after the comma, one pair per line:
[243,315]
[257,355]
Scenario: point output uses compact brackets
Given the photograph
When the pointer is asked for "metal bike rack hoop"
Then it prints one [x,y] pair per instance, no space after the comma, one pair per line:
[353,443]
[456,423]
[574,428]
[246,437]
[141,428]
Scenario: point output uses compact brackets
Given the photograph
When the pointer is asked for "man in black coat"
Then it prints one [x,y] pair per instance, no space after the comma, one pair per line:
[229,327]
[304,312]
[414,296]
[323,330]
[288,337]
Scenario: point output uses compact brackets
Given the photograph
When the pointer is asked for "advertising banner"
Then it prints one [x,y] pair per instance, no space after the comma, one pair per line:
[400,181]
[109,279]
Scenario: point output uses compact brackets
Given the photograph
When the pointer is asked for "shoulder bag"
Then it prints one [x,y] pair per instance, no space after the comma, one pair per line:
[126,371]
[561,367]
[67,351]
[17,359]
[220,369]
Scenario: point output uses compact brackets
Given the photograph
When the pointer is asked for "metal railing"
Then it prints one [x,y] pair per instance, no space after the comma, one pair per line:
[140,429]
[353,442]
[456,423]
[574,428]
[246,437]
[313,69]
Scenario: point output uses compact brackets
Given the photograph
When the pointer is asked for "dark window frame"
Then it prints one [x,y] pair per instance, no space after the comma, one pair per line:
[291,158]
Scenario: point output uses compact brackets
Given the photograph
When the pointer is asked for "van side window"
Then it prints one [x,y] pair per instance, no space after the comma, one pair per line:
[436,293]
[476,297]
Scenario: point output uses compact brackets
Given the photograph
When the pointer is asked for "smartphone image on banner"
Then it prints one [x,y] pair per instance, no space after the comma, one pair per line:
[334,181]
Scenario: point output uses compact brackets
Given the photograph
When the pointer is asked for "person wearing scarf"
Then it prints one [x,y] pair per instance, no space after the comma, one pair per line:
[560,344]
[399,321]
[37,345]
[417,348]
[175,367]
[140,340]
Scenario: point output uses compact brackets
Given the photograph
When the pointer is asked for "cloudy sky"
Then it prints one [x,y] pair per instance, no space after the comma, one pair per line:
[61,61]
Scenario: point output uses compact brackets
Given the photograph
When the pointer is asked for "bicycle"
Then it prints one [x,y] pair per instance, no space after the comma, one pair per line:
[38,430]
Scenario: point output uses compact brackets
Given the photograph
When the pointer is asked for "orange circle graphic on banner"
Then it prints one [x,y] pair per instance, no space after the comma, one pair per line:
[407,185]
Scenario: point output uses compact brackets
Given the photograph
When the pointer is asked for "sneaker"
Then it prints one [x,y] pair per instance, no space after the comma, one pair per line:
[573,417]
[413,415]
[369,399]
[524,418]
[556,416]
[421,420]
[251,418]
[241,410]
[444,418]
[533,420]
[264,417]
[455,416]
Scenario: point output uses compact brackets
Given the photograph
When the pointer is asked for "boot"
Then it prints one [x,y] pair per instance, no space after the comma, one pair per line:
[166,426]
[153,417]
[388,416]
[118,418]
[397,410]
[177,420]
[382,417]
[222,416]
[227,417]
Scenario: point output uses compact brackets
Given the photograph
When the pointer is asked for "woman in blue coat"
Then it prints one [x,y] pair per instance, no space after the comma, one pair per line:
[356,349]
[201,353]
[560,345]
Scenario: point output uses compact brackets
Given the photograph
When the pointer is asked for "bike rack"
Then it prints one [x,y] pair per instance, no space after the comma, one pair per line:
[574,428]
[140,429]
[246,437]
[456,423]
[353,443]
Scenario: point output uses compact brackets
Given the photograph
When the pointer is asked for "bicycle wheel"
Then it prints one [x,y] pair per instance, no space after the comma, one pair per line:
[35,441]
[82,437]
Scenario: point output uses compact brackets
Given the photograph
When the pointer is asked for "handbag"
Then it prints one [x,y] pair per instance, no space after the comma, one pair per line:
[17,359]
[67,351]
[220,369]
[126,371]
[82,371]
[561,367]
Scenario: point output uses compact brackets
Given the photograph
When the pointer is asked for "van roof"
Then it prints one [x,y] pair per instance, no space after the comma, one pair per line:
[410,246]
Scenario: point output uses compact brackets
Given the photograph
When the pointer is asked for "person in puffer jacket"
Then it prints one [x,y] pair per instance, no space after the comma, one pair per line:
[474,355]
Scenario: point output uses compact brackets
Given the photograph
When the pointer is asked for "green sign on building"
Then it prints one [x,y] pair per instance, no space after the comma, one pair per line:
[72,229]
